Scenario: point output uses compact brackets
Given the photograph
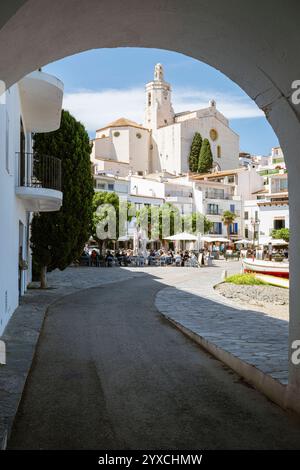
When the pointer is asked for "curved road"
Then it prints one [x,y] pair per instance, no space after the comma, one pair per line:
[111,373]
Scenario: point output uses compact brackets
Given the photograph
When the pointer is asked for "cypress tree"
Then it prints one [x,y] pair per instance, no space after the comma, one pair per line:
[57,238]
[205,158]
[194,153]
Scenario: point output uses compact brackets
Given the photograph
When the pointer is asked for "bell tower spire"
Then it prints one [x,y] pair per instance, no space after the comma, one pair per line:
[158,73]
[159,111]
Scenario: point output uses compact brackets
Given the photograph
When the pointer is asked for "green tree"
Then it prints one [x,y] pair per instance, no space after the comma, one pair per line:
[161,221]
[196,223]
[195,152]
[107,212]
[57,238]
[205,158]
[228,218]
[283,233]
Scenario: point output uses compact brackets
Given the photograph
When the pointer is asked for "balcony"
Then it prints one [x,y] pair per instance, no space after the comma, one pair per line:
[41,97]
[220,212]
[179,197]
[218,195]
[39,182]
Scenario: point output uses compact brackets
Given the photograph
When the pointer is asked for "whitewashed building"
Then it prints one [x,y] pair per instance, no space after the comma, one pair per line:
[222,191]
[209,194]
[121,147]
[163,142]
[172,133]
[268,209]
[26,186]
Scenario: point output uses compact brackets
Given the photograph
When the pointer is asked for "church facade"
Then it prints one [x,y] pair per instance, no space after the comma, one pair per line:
[162,143]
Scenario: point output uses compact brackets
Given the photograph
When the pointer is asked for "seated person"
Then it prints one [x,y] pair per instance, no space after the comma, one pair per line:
[108,259]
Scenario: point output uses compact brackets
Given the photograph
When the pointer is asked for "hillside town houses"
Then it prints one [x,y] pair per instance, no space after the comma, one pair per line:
[148,164]
[145,164]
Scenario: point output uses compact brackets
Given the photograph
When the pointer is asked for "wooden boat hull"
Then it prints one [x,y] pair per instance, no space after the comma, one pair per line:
[272,268]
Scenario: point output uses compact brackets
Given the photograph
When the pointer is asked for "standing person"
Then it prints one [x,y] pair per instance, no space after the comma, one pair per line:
[201,257]
[94,258]
[184,257]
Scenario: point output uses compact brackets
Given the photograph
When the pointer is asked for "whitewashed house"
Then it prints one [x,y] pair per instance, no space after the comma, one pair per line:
[222,191]
[268,209]
[32,105]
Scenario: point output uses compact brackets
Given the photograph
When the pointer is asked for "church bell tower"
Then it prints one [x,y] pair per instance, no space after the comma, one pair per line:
[159,111]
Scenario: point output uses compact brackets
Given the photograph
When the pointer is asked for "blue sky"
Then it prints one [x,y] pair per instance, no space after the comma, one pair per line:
[105,84]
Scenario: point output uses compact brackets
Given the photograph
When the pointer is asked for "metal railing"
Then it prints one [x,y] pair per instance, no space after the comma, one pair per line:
[179,194]
[39,171]
[221,211]
[217,195]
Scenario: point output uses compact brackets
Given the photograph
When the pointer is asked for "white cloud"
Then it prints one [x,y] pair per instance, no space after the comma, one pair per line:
[97,108]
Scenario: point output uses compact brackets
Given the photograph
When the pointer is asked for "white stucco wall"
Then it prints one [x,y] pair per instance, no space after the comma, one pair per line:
[166,154]
[11,210]
[248,182]
[146,187]
[139,143]
[266,215]
[227,139]
[123,145]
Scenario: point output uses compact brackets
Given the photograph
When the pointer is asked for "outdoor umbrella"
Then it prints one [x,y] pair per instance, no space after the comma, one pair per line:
[278,242]
[183,236]
[209,239]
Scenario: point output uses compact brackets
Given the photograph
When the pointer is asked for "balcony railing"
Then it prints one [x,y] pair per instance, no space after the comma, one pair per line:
[217,195]
[39,171]
[221,211]
[212,212]
[179,194]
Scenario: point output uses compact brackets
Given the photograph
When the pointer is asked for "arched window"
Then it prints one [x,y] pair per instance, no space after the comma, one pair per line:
[149,99]
[219,151]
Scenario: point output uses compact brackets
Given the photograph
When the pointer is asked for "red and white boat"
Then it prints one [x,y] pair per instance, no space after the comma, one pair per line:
[272,268]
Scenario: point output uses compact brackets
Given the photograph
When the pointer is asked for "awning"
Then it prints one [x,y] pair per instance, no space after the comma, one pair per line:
[41,97]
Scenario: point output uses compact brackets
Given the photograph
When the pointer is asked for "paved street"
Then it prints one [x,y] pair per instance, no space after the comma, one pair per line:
[111,373]
[256,338]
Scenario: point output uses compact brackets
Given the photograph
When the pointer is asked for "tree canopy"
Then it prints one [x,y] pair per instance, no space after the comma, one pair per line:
[283,233]
[205,157]
[228,218]
[195,152]
[57,238]
[110,217]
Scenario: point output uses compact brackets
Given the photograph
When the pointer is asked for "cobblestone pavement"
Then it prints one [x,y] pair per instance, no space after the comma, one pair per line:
[254,337]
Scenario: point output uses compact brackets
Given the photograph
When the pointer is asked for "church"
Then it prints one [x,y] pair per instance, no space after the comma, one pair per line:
[162,143]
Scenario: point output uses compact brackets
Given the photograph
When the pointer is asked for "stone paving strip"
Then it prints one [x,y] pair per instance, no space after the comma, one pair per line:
[254,344]
[22,332]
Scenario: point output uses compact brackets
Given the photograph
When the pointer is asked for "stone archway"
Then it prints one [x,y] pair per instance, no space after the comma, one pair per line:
[255,45]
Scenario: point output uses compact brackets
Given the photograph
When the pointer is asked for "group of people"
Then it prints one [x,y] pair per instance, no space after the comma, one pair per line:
[169,257]
[161,257]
